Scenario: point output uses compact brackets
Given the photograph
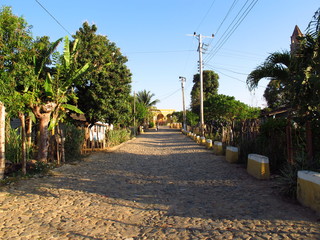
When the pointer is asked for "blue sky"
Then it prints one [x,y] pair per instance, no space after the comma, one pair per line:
[153,35]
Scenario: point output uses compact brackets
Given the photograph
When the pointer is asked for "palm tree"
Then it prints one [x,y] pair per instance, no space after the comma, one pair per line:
[278,68]
[146,98]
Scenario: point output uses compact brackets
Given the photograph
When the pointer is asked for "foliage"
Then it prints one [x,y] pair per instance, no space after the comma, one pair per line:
[307,82]
[145,97]
[13,146]
[210,88]
[289,175]
[142,113]
[15,56]
[151,124]
[192,118]
[278,69]
[117,136]
[272,142]
[74,141]
[104,91]
[220,107]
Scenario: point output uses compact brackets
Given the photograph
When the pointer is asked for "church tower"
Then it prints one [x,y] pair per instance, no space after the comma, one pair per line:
[294,41]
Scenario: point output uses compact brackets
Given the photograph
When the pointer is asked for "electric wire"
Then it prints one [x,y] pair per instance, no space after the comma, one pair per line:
[222,22]
[205,16]
[234,26]
[56,20]
[212,68]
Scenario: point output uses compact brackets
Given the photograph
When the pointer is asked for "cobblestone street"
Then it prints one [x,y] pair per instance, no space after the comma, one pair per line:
[160,185]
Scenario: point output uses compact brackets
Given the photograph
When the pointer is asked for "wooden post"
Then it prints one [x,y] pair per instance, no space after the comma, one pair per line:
[309,143]
[2,140]
[289,142]
[23,143]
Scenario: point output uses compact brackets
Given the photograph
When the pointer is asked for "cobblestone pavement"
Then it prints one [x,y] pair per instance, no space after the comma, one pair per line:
[158,186]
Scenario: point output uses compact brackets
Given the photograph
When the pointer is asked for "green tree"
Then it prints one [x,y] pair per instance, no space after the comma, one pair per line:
[225,108]
[145,97]
[15,70]
[307,84]
[278,68]
[104,91]
[210,88]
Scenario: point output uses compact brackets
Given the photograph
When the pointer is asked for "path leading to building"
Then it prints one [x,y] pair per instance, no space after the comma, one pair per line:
[158,186]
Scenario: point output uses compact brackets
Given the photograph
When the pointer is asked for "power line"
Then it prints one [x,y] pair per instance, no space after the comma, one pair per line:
[205,16]
[165,51]
[212,68]
[53,17]
[227,34]
[232,6]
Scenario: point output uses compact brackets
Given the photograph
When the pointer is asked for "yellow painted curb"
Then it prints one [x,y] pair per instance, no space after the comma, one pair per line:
[258,166]
[232,155]
[308,189]
[209,143]
[217,148]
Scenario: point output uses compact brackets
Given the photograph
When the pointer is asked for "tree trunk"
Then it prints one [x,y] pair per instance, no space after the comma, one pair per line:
[23,143]
[310,157]
[289,142]
[43,113]
[43,140]
[63,156]
[2,140]
[29,131]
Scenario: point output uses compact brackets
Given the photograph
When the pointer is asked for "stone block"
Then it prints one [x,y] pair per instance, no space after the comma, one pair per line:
[217,148]
[209,143]
[232,155]
[258,166]
[308,189]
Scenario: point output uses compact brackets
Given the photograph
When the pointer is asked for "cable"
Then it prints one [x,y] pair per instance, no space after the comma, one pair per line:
[234,77]
[232,6]
[205,16]
[53,17]
[165,51]
[225,69]
[227,33]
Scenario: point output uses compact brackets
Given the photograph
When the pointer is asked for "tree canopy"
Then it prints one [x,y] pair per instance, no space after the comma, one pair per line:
[103,92]
[210,88]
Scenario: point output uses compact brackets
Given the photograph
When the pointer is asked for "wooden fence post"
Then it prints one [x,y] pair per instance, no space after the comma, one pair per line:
[2,140]
[289,142]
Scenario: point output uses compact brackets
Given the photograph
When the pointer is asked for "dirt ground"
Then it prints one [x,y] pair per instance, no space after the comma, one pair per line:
[160,185]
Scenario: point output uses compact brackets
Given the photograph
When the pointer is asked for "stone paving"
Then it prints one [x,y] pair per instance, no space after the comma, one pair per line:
[158,186]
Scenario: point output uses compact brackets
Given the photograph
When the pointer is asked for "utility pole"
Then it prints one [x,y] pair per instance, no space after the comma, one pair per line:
[183,80]
[200,49]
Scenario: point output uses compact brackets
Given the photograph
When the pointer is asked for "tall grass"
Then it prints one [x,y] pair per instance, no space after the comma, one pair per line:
[73,143]
[13,145]
[116,137]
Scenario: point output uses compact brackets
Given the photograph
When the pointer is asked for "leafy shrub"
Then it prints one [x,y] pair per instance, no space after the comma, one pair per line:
[115,137]
[13,146]
[289,176]
[73,143]
[272,142]
[151,124]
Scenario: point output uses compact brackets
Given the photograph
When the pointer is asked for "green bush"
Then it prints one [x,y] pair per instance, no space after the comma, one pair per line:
[73,143]
[272,142]
[115,137]
[151,124]
[13,146]
[289,175]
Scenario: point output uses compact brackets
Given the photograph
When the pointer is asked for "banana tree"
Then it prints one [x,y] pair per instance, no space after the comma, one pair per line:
[59,88]
[50,96]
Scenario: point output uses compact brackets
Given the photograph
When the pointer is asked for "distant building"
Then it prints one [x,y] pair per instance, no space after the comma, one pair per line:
[294,46]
